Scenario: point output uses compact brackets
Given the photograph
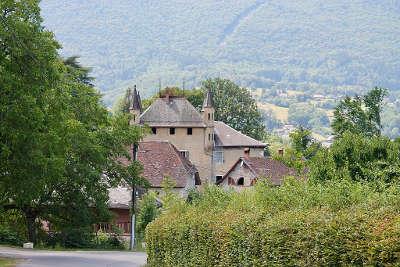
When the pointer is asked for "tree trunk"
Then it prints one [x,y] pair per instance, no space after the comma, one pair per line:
[30,220]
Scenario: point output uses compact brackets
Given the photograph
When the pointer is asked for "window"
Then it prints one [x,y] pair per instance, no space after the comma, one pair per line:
[209,116]
[240,181]
[231,181]
[171,130]
[209,137]
[184,153]
[218,157]
[189,131]
[154,130]
[218,178]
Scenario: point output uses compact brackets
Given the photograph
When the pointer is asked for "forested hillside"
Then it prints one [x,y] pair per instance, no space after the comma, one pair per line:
[300,44]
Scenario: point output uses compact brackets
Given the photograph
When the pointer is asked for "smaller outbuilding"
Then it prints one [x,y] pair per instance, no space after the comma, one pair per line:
[247,170]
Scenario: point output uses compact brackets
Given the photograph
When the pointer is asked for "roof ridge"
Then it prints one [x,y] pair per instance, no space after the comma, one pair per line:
[182,159]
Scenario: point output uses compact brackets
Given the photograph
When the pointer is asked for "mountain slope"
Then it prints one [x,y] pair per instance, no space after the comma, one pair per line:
[300,44]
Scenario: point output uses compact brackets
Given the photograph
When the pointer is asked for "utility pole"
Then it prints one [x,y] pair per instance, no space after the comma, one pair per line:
[133,222]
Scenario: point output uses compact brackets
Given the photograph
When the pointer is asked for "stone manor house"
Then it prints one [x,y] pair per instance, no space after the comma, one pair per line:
[212,146]
[192,148]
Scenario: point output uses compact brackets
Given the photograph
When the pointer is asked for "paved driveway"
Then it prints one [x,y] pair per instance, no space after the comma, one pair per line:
[44,258]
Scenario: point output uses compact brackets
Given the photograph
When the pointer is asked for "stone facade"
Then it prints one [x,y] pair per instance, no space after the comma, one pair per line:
[196,134]
[194,144]
[230,156]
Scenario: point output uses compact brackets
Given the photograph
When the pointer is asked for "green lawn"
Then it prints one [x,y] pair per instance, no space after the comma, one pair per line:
[5,262]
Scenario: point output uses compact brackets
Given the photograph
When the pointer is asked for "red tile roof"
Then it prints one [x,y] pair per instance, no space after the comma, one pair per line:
[275,170]
[160,159]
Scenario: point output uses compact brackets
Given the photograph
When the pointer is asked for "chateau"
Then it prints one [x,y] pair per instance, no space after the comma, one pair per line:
[212,146]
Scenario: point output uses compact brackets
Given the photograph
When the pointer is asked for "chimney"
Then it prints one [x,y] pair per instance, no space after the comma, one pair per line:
[280,152]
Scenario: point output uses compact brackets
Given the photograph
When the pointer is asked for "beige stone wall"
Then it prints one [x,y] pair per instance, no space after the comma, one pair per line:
[231,155]
[194,143]
[239,171]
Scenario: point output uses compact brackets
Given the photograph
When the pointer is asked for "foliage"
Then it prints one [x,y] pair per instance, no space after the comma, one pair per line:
[297,224]
[306,115]
[58,143]
[291,44]
[148,211]
[358,158]
[303,143]
[360,115]
[83,238]
[235,106]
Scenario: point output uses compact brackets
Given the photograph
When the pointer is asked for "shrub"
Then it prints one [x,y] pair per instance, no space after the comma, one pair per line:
[297,224]
[147,212]
[10,237]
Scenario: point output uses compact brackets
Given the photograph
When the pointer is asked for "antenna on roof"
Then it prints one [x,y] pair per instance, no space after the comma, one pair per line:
[159,87]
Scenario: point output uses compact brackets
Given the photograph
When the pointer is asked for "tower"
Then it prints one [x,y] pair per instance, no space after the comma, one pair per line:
[208,118]
[135,107]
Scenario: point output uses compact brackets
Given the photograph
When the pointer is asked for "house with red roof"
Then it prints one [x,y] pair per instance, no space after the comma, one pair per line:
[248,170]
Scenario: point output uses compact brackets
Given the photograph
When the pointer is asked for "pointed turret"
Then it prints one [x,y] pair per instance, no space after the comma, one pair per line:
[135,106]
[208,100]
[208,118]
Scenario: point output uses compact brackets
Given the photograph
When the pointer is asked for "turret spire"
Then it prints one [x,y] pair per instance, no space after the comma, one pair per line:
[208,100]
[136,105]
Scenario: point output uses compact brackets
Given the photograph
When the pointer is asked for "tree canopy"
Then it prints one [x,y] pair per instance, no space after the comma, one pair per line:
[58,143]
[360,114]
[235,106]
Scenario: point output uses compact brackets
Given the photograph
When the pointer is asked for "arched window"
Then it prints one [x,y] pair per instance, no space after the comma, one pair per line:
[240,181]
[231,181]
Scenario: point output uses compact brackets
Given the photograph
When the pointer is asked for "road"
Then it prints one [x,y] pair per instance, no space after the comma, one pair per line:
[45,258]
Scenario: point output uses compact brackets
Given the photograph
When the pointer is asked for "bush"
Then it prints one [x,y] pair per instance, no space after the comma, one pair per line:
[10,237]
[297,224]
[83,238]
[147,212]
[12,228]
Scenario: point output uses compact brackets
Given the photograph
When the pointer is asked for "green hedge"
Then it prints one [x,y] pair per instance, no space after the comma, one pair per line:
[298,224]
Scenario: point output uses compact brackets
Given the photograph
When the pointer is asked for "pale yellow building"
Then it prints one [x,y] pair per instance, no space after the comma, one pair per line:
[212,146]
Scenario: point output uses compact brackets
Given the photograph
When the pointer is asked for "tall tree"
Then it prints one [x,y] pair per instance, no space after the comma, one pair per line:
[360,114]
[302,142]
[235,106]
[58,143]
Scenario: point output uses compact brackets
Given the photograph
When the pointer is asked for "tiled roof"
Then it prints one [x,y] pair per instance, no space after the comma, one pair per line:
[172,112]
[160,159]
[275,170]
[226,136]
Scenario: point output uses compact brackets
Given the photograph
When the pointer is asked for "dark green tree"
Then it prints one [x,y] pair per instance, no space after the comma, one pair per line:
[302,142]
[58,144]
[235,106]
[359,158]
[360,114]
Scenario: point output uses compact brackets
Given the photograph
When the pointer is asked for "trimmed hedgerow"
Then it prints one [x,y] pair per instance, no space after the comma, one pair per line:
[298,224]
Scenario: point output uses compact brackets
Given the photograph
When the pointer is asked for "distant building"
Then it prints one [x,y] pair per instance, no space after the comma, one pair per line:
[212,146]
[248,170]
[159,160]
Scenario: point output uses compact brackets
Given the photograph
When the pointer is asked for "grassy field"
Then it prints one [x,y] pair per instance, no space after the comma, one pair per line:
[280,113]
[5,262]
